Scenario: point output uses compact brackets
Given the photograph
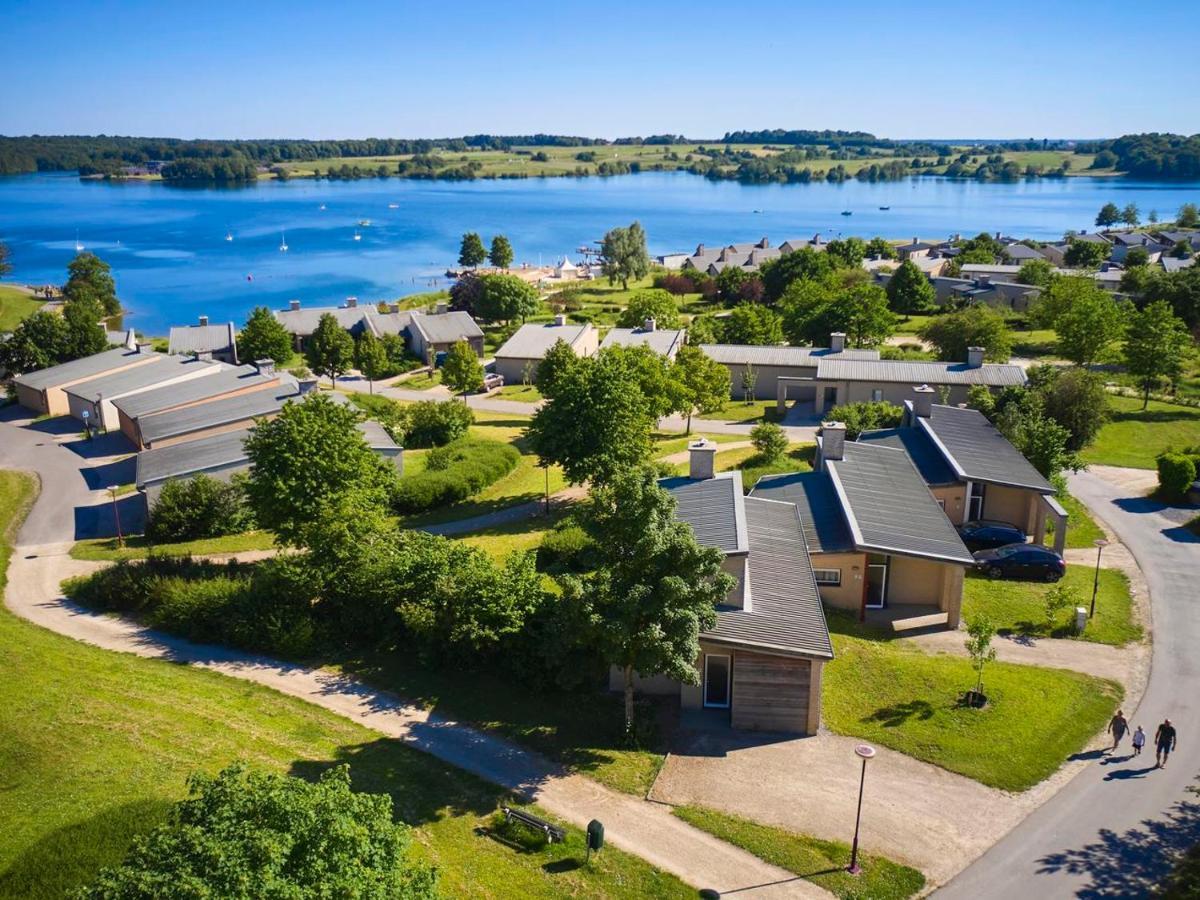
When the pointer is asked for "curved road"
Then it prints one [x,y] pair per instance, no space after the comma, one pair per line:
[1112,830]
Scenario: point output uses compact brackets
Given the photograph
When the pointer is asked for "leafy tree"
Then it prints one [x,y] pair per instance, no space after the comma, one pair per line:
[703,382]
[805,264]
[1085,254]
[433,423]
[973,326]
[655,588]
[1176,472]
[881,248]
[769,440]
[623,255]
[1182,291]
[979,647]
[505,298]
[597,423]
[1062,294]
[501,253]
[5,257]
[1153,217]
[1074,398]
[1188,216]
[1108,216]
[866,415]
[465,293]
[557,360]
[371,358]
[654,375]
[199,507]
[655,304]
[749,380]
[304,459]
[751,323]
[90,278]
[980,397]
[471,252]
[1130,215]
[704,329]
[1036,272]
[1041,440]
[330,349]
[1156,346]
[264,337]
[909,291]
[1138,281]
[85,333]
[1058,599]
[282,835]
[39,341]
[1181,250]
[1137,256]
[812,311]
[461,371]
[1089,327]
[847,253]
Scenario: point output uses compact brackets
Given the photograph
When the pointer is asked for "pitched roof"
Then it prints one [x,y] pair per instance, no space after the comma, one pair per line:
[784,613]
[771,355]
[665,341]
[714,507]
[304,321]
[447,327]
[889,507]
[226,381]
[821,517]
[202,338]
[1022,252]
[977,451]
[533,340]
[921,449]
[215,413]
[85,367]
[918,372]
[162,368]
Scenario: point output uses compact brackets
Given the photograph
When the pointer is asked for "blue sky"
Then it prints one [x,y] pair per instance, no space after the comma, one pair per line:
[401,69]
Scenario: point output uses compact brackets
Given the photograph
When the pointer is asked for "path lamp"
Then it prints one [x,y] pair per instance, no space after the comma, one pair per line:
[863,752]
[112,491]
[1100,543]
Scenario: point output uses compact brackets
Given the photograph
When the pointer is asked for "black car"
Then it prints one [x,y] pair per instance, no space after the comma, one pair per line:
[1027,562]
[985,535]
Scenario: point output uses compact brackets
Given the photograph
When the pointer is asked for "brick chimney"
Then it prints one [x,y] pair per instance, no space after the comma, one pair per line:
[923,401]
[204,321]
[832,441]
[701,459]
[974,357]
[293,305]
[837,341]
[265,367]
[649,324]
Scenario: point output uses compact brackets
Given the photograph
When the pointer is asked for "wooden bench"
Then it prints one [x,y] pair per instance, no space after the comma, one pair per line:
[554,834]
[927,621]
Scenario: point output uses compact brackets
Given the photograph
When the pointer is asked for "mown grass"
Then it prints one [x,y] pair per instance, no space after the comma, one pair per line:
[138,547]
[97,745]
[15,306]
[1082,529]
[883,691]
[742,412]
[821,862]
[1134,437]
[1018,607]
[522,393]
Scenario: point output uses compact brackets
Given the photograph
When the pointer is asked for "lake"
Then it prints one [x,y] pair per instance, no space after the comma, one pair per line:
[172,263]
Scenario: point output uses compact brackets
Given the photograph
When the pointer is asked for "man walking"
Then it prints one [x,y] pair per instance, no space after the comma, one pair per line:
[1164,743]
[1117,728]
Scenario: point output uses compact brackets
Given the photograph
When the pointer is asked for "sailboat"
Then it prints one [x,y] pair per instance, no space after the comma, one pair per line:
[78,244]
[321,207]
[357,236]
[393,206]
[283,243]
[365,223]
[228,235]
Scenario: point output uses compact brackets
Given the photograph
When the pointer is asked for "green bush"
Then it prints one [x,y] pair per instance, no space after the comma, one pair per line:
[870,415]
[566,549]
[769,440]
[432,423]
[199,507]
[1176,472]
[455,473]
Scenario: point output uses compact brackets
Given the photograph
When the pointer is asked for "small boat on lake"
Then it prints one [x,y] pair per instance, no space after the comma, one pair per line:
[229,235]
[78,243]
[365,223]
[393,206]
[283,247]
[846,212]
[357,236]
[321,207]
[885,208]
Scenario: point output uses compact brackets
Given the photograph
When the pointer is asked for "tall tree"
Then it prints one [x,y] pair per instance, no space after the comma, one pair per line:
[85,333]
[623,255]
[505,298]
[330,349]
[751,323]
[1085,254]
[1089,327]
[1188,216]
[655,588]
[471,251]
[1074,398]
[40,341]
[1130,215]
[557,360]
[975,326]
[654,375]
[847,252]
[805,264]
[1108,216]
[461,371]
[881,248]
[704,383]
[371,358]
[909,291]
[1036,272]
[264,337]
[90,278]
[1156,345]
[5,260]
[655,304]
[501,253]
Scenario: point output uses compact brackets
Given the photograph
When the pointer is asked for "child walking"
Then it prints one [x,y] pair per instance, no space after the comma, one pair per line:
[1139,741]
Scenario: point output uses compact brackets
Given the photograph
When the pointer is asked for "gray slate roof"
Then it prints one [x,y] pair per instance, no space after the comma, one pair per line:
[215,413]
[202,339]
[304,321]
[86,367]
[157,399]
[918,372]
[664,341]
[977,451]
[191,457]
[714,507]
[162,368]
[821,517]
[533,340]
[921,449]
[447,327]
[889,508]
[785,613]
[1021,252]
[771,355]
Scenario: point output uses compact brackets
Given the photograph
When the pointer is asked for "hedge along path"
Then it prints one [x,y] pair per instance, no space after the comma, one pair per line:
[645,829]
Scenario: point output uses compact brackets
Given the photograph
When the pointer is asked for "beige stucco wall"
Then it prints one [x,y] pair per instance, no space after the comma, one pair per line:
[55,401]
[130,429]
[767,384]
[849,594]
[893,392]
[914,581]
[32,399]
[1017,506]
[953,499]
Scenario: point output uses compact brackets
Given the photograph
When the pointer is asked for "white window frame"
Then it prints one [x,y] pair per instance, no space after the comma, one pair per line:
[835,581]
[876,395]
[728,680]
[941,502]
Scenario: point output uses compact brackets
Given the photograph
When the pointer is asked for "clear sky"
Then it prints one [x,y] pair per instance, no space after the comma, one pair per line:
[259,68]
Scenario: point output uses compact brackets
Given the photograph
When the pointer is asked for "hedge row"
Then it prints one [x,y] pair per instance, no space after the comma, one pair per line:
[454,473]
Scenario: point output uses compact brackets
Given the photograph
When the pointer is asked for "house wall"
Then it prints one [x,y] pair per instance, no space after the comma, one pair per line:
[893,392]
[952,498]
[130,429]
[926,582]
[849,594]
[54,401]
[767,385]
[476,345]
[775,693]
[736,566]
[221,473]
[32,399]
[1017,506]
[513,368]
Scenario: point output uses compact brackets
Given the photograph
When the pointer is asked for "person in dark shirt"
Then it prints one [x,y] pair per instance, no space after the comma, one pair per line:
[1164,743]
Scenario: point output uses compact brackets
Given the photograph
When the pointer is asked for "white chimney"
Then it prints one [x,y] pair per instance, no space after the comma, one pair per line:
[441,308]
[203,321]
[307,385]
[974,357]
[833,441]
[923,401]
[649,324]
[130,340]
[293,305]
[837,341]
[265,367]
[560,319]
[351,303]
[702,459]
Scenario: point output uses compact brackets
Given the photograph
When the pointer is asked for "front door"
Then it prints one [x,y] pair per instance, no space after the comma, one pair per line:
[877,578]
[975,504]
[716,681]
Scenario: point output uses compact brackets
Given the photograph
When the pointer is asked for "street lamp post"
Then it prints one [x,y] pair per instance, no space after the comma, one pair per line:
[864,752]
[112,490]
[1100,543]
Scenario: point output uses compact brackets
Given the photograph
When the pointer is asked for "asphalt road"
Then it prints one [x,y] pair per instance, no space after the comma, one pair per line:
[1112,830]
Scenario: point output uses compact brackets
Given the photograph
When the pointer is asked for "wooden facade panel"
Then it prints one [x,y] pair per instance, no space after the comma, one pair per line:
[771,693]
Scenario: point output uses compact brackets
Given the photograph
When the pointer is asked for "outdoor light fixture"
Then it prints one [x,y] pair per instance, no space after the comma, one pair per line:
[863,752]
[112,490]
[1100,543]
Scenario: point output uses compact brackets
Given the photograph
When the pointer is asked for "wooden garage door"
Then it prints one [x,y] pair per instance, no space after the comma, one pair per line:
[770,693]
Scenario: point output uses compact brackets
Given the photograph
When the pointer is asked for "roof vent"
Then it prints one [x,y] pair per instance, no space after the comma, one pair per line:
[351,303]
[265,367]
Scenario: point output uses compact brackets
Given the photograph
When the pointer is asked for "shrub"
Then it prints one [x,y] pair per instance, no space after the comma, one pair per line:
[432,423]
[1176,472]
[199,507]
[457,471]
[769,440]
[566,549]
[866,416]
[676,283]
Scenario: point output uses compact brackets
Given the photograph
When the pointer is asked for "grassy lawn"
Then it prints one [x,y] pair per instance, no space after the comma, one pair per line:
[1035,343]
[798,458]
[741,412]
[821,862]
[910,325]
[421,382]
[97,744]
[880,690]
[137,547]
[1018,606]
[15,305]
[522,393]
[514,537]
[1134,437]
[1082,529]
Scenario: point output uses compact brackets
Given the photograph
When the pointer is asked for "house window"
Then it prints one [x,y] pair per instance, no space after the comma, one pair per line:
[876,394]
[975,502]
[941,502]
[831,577]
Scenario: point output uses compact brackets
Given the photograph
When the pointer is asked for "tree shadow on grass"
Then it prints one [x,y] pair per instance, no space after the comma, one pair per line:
[898,713]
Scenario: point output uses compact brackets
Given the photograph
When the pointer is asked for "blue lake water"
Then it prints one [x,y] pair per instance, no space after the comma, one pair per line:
[172,263]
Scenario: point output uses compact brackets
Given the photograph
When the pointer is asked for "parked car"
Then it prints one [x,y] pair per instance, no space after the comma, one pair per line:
[983,534]
[1027,562]
[492,382]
